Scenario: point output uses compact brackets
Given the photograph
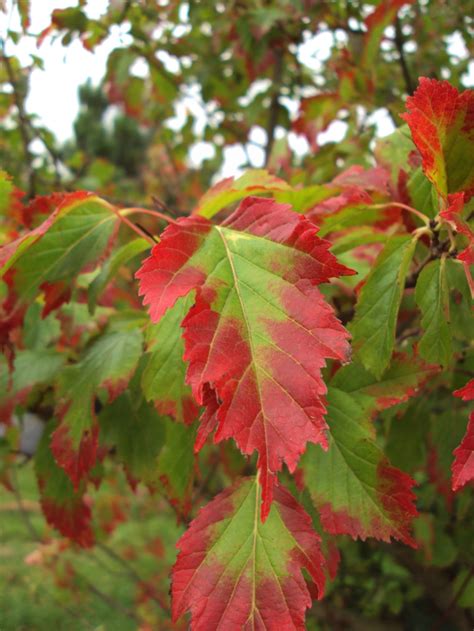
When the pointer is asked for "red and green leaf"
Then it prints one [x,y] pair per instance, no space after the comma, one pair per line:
[260,331]
[233,571]
[353,485]
[108,364]
[441,121]
[64,507]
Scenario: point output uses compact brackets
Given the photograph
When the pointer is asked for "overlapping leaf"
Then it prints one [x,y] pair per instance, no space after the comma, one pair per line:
[402,380]
[163,379]
[230,190]
[354,487]
[108,364]
[235,572]
[260,331]
[433,299]
[442,127]
[463,465]
[374,324]
[63,506]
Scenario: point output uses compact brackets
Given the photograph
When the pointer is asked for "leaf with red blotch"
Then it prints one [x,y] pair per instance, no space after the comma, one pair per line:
[229,190]
[234,571]
[353,485]
[163,378]
[108,364]
[63,506]
[452,214]
[74,236]
[260,330]
[463,465]
[402,380]
[441,123]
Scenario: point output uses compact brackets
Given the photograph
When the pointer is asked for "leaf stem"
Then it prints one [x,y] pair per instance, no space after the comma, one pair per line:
[153,213]
[410,209]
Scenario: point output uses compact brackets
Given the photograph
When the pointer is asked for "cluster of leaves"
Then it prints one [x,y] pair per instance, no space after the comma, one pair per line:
[306,353]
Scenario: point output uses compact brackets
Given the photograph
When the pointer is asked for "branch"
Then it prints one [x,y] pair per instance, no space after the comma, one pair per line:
[24,124]
[399,42]
[274,104]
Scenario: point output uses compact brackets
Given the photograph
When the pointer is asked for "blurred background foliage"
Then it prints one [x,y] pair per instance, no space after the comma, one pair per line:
[193,80]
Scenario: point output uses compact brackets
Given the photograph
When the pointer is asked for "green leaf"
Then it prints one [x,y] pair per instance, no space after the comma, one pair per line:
[135,429]
[176,463]
[229,190]
[374,325]
[163,379]
[432,297]
[120,257]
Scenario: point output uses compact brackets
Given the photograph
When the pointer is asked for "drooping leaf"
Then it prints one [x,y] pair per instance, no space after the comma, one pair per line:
[48,258]
[108,364]
[441,124]
[229,190]
[63,506]
[163,379]
[259,332]
[374,324]
[235,572]
[354,487]
[135,429]
[120,257]
[433,299]
[463,465]
[176,464]
[402,380]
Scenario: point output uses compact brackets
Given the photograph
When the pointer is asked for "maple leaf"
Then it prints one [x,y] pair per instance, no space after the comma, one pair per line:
[463,465]
[441,123]
[108,364]
[234,571]
[354,487]
[376,313]
[260,330]
[63,506]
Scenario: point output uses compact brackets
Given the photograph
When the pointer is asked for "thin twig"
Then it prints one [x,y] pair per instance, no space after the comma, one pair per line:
[24,125]
[274,104]
[410,209]
[399,43]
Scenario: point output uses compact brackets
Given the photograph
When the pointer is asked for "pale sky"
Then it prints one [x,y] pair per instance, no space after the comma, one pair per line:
[53,91]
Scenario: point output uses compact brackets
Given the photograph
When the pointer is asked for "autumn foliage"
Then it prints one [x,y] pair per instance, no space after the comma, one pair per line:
[269,346]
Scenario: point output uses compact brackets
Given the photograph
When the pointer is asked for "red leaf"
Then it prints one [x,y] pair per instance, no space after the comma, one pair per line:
[237,573]
[440,117]
[463,465]
[259,332]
